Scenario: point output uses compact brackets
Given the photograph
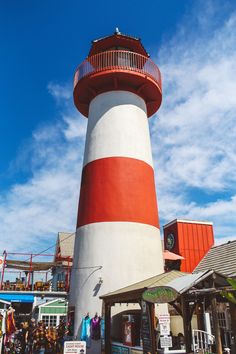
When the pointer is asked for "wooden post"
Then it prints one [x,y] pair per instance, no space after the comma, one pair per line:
[187,324]
[233,326]
[216,326]
[107,328]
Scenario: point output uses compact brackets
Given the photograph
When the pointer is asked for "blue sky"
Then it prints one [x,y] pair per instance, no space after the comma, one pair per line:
[42,135]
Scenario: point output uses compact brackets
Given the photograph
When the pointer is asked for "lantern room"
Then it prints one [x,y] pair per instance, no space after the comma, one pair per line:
[117,63]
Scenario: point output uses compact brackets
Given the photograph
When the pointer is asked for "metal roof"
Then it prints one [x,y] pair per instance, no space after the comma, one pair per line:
[158,280]
[221,259]
[188,281]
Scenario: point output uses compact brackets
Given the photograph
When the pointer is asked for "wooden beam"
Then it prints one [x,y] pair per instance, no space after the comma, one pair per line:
[186,323]
[216,326]
[177,308]
[232,308]
[107,328]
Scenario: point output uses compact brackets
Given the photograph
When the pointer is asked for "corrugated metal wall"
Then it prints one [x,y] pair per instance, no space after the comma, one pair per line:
[192,241]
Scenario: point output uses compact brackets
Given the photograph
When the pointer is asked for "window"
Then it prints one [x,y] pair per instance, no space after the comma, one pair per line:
[50,320]
[62,319]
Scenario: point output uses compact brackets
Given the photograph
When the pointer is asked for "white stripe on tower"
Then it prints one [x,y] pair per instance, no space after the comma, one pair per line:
[118,226]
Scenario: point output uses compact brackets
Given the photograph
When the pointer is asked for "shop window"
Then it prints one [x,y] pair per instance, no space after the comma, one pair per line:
[50,320]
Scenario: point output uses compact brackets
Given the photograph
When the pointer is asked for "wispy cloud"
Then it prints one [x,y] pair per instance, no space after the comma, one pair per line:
[196,147]
[33,212]
[193,141]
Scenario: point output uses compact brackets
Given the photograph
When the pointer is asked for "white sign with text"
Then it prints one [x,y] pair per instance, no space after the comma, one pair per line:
[75,347]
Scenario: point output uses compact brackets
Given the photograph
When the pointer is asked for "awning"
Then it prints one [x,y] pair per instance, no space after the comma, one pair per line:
[170,256]
[26,298]
[29,266]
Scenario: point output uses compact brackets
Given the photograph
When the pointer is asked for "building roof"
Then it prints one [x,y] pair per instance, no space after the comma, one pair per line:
[179,281]
[186,221]
[115,40]
[221,259]
[157,280]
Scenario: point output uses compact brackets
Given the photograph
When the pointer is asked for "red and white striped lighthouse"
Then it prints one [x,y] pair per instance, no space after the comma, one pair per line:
[118,234]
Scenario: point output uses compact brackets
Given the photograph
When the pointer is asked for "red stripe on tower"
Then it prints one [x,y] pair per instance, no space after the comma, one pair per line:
[118,189]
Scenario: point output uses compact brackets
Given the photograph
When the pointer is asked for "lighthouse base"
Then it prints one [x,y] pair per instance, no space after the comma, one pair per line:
[109,256]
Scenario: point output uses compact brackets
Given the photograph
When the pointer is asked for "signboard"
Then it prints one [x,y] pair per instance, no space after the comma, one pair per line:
[160,295]
[164,329]
[166,342]
[76,347]
[164,318]
[147,329]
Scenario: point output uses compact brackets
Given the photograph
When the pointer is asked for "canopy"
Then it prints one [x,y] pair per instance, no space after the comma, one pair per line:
[29,266]
[170,256]
[17,298]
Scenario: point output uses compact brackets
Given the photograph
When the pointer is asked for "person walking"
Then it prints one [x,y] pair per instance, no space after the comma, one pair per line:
[40,340]
[29,336]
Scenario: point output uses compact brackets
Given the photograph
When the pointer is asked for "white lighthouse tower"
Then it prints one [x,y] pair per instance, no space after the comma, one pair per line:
[118,234]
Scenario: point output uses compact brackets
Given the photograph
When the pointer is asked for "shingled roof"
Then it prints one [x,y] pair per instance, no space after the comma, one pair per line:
[221,259]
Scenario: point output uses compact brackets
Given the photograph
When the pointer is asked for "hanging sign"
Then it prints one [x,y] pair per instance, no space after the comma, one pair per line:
[164,329]
[166,342]
[164,318]
[160,295]
[75,347]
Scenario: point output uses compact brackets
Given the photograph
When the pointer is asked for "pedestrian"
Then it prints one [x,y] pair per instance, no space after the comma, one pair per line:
[21,336]
[29,336]
[40,339]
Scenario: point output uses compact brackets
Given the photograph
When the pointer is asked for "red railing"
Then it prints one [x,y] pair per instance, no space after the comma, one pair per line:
[118,59]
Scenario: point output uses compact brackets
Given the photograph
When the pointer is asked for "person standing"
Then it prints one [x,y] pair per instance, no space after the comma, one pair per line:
[40,339]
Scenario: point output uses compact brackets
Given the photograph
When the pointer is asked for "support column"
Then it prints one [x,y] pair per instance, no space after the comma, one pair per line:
[187,324]
[216,327]
[107,328]
[233,326]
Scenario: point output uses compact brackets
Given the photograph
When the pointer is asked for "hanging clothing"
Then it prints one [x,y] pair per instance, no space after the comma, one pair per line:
[96,328]
[86,331]
[11,327]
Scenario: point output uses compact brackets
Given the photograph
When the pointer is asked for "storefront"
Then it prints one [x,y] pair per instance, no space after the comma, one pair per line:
[22,304]
[53,312]
[188,295]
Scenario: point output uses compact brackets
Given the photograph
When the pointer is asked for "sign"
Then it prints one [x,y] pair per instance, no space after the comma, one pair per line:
[164,329]
[164,318]
[147,330]
[1,262]
[170,241]
[160,295]
[166,342]
[76,347]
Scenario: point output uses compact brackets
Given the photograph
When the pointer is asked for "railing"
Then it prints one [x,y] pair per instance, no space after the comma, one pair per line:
[202,341]
[118,59]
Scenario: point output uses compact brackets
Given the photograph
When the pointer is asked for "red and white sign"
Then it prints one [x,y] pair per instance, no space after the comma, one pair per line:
[75,347]
[163,319]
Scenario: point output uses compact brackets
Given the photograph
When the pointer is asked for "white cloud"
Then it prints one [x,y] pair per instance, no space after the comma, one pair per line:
[32,213]
[60,92]
[194,136]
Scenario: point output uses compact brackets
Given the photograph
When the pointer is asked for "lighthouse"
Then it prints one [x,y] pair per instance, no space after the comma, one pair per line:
[117,87]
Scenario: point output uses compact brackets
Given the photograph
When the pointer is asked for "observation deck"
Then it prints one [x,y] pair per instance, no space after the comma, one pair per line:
[113,70]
